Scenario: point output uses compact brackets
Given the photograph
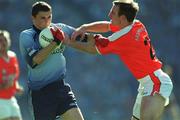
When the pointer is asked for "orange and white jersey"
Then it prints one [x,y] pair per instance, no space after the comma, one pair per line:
[9,70]
[132,44]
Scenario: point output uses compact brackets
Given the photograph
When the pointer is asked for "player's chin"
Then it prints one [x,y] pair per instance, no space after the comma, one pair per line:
[45,26]
[48,24]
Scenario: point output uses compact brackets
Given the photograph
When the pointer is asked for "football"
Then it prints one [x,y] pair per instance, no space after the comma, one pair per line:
[45,38]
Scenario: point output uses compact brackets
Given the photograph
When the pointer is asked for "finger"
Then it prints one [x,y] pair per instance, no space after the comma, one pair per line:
[74,35]
[91,37]
[55,28]
[59,31]
[53,31]
[82,36]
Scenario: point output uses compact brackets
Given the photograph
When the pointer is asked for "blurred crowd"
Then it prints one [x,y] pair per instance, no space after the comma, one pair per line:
[102,85]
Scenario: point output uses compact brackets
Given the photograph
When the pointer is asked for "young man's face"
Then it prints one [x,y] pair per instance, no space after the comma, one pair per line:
[42,19]
[113,14]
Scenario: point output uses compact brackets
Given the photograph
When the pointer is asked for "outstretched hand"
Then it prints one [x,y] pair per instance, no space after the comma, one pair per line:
[78,32]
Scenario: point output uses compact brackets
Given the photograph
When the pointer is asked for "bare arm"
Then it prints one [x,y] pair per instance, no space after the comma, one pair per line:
[58,35]
[100,26]
[43,53]
[88,46]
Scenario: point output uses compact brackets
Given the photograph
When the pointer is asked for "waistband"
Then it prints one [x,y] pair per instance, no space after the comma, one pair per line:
[156,73]
[59,82]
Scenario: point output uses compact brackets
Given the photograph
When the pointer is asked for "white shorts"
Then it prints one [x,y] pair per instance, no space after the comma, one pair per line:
[157,82]
[9,108]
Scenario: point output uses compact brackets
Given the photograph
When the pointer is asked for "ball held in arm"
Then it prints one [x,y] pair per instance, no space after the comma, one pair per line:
[47,35]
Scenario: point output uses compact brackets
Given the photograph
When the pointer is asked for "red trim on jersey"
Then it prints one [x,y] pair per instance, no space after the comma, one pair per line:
[133,46]
[157,84]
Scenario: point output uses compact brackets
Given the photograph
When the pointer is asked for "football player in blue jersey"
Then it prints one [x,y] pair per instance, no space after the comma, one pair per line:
[51,95]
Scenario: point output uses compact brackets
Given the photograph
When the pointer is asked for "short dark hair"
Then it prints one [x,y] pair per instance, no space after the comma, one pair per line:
[128,9]
[40,6]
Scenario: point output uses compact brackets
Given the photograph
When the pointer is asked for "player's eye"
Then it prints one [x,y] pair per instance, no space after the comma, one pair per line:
[43,18]
[49,17]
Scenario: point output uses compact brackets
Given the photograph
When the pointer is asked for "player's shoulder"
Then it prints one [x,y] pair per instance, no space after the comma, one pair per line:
[28,31]
[26,34]
[138,23]
[59,24]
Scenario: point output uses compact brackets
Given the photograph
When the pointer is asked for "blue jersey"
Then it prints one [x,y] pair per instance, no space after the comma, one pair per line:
[53,68]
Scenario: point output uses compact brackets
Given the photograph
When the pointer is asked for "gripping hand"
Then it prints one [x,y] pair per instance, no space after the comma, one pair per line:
[58,35]
[101,41]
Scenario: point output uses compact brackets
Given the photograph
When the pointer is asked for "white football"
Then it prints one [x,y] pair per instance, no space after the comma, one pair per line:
[45,37]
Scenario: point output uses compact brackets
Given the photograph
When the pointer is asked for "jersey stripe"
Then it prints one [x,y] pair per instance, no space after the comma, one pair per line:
[121,32]
[157,84]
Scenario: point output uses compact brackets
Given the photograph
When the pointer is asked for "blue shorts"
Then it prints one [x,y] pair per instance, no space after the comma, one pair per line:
[52,100]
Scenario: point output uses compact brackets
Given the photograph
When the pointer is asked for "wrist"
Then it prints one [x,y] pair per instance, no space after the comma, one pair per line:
[84,27]
[56,41]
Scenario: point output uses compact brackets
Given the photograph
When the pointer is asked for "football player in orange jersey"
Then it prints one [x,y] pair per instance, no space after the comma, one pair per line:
[9,74]
[131,42]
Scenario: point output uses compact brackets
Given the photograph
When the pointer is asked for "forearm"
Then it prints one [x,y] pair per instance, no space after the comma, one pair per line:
[100,26]
[85,47]
[44,53]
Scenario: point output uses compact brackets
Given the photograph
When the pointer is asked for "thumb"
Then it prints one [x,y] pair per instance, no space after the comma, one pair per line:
[60,34]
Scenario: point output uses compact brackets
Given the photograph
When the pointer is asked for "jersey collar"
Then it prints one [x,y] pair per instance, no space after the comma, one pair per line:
[36,29]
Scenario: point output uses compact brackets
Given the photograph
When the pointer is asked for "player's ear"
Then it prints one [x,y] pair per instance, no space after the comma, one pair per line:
[122,17]
[33,17]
